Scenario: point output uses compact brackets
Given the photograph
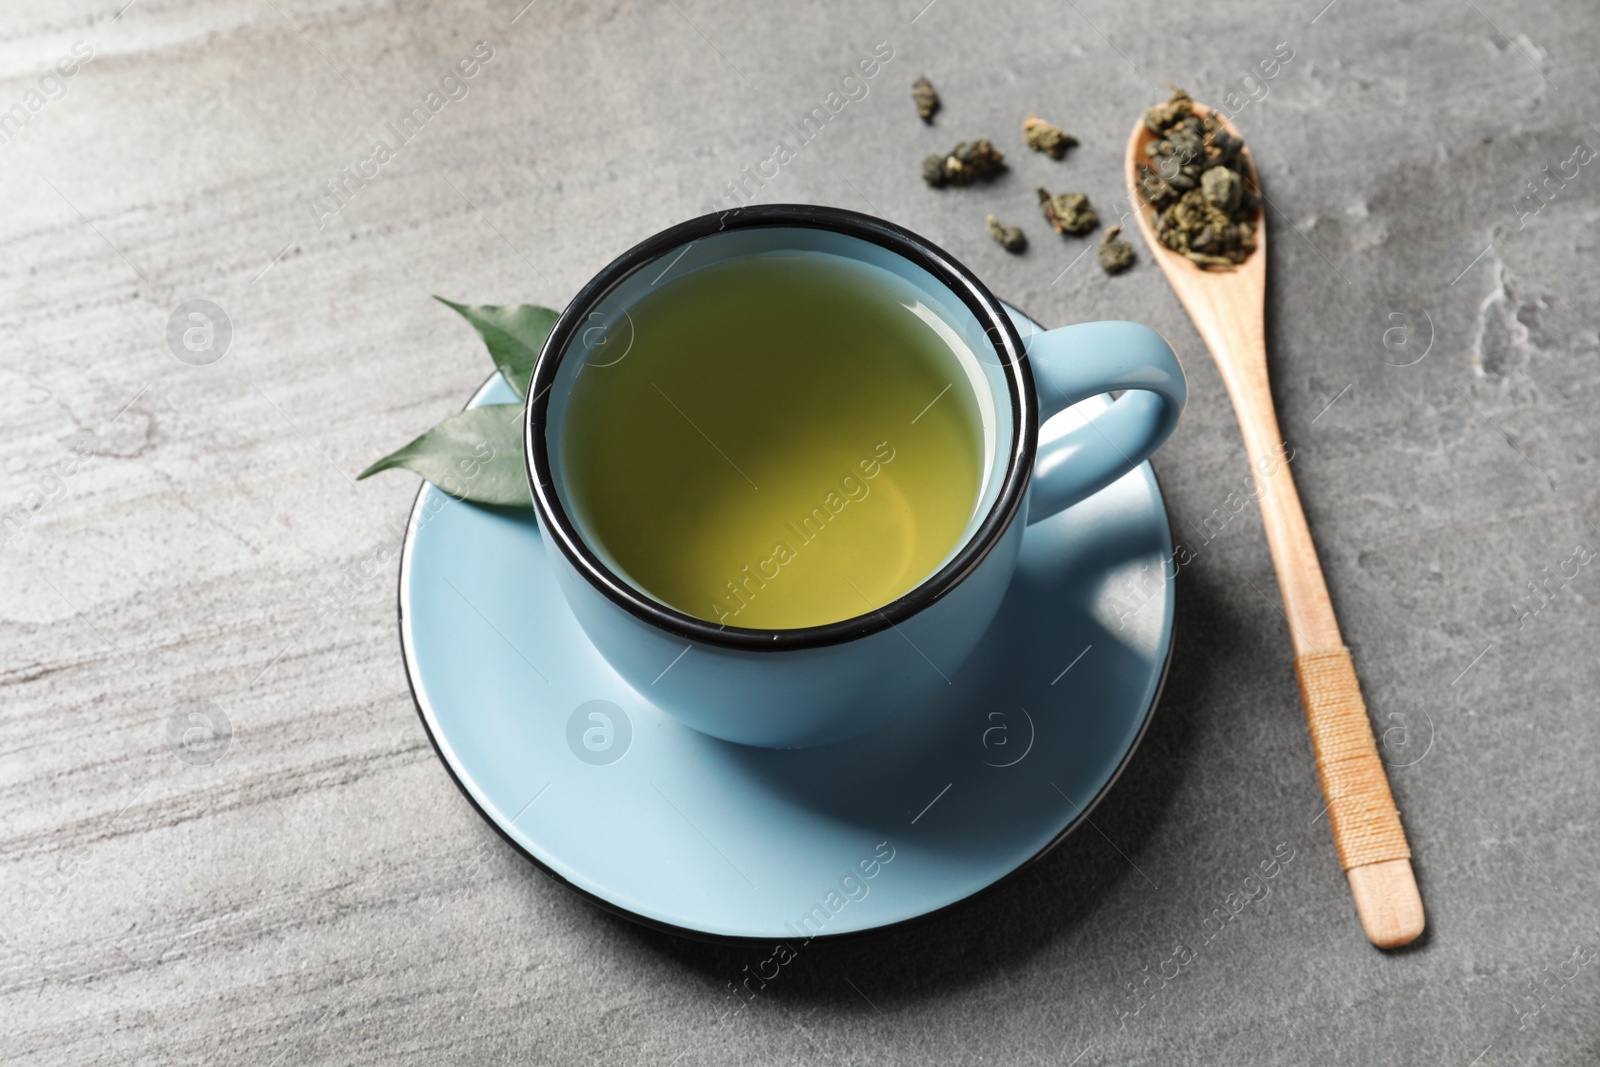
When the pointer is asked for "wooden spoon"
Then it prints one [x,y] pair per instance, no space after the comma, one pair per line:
[1227,308]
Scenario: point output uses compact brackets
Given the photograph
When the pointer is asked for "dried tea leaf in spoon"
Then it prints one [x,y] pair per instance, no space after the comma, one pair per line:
[1198,180]
[1175,110]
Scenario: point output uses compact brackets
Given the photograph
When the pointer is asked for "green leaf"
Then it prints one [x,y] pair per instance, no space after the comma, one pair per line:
[514,334]
[474,455]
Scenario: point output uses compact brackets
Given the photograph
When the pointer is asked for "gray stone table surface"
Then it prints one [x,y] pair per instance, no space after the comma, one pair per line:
[307,885]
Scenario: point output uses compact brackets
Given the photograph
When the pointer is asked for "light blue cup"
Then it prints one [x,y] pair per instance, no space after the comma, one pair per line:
[812,686]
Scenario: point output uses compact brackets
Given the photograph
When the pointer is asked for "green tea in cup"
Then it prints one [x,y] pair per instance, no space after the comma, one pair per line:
[788,441]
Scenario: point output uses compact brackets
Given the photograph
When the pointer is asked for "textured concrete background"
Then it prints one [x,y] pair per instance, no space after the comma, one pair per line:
[186,540]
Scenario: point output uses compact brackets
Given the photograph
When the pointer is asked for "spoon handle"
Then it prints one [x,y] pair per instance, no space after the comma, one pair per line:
[1366,826]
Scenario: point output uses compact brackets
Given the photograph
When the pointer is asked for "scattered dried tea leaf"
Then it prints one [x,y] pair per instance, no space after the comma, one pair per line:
[926,98]
[964,164]
[1198,180]
[1068,212]
[1010,237]
[1116,255]
[1047,138]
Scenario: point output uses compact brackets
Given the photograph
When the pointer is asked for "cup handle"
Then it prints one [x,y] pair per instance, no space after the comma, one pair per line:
[1073,363]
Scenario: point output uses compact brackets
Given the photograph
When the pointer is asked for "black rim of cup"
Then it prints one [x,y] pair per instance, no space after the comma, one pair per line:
[999,329]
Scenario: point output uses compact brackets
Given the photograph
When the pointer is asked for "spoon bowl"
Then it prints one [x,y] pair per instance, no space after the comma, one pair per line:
[1226,305]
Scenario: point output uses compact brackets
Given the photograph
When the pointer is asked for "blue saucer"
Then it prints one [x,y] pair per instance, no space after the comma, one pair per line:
[701,837]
